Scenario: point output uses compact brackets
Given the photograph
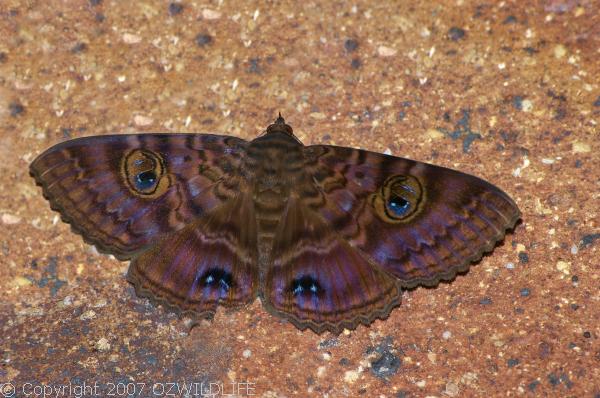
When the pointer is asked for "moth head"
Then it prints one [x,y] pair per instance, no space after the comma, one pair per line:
[144,173]
[399,199]
[280,126]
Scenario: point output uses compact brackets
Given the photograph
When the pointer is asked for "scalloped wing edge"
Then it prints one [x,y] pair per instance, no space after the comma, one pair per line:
[463,268]
[87,238]
[161,300]
[336,327]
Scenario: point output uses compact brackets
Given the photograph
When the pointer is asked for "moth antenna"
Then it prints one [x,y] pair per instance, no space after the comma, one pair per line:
[280,126]
[280,120]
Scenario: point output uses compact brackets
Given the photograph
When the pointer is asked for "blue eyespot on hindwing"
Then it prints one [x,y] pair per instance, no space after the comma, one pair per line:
[217,278]
[306,286]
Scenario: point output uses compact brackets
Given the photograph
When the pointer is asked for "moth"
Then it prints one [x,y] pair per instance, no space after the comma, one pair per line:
[326,236]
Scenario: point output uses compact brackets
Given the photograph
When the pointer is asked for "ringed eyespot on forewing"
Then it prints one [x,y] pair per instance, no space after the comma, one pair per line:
[143,171]
[398,198]
[327,237]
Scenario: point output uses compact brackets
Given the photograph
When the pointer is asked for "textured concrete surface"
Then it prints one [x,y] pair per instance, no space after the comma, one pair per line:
[508,91]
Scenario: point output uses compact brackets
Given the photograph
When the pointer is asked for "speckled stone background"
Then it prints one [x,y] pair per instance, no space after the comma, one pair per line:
[505,90]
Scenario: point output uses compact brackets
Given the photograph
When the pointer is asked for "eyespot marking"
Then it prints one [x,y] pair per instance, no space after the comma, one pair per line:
[144,173]
[306,286]
[145,179]
[398,205]
[217,278]
[399,199]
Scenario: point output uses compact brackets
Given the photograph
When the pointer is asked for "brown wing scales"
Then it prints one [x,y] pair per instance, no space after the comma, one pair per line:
[419,222]
[325,235]
[123,192]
